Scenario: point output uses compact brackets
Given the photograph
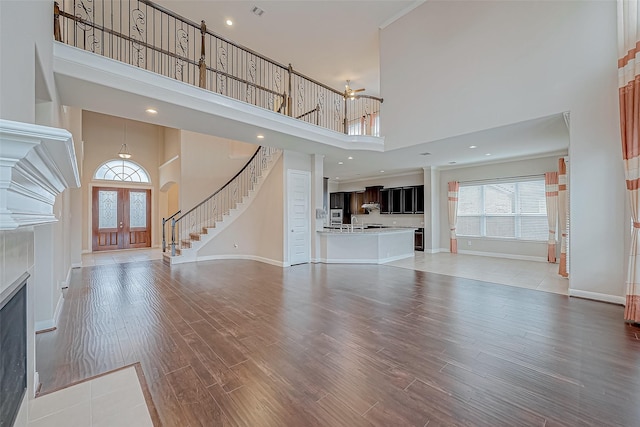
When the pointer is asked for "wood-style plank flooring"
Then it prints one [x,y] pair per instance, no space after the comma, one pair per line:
[242,343]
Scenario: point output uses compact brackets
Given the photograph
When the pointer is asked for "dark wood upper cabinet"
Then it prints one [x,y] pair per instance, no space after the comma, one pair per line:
[408,200]
[396,200]
[385,206]
[372,194]
[419,199]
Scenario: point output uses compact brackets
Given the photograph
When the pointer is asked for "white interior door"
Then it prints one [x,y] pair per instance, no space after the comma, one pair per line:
[298,199]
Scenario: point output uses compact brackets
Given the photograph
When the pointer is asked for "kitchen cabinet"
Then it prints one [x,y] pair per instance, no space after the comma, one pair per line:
[372,194]
[341,200]
[408,200]
[396,200]
[384,201]
[419,202]
[357,200]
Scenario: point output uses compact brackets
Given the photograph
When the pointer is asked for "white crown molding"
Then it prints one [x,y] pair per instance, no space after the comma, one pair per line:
[36,164]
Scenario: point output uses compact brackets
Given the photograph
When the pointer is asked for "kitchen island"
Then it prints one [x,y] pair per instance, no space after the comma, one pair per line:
[368,246]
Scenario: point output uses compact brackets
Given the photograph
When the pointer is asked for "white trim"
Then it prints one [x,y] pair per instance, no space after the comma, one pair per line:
[65,283]
[614,299]
[501,255]
[76,265]
[36,386]
[433,251]
[99,75]
[42,325]
[378,177]
[363,261]
[400,14]
[245,257]
[58,311]
[36,164]
[169,161]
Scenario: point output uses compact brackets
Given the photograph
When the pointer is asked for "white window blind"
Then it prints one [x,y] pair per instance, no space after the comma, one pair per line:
[515,210]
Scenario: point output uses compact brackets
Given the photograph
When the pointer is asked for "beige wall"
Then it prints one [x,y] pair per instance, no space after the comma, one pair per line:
[259,231]
[103,136]
[493,171]
[207,163]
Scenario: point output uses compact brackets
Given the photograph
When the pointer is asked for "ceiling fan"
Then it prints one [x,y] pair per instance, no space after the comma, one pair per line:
[351,93]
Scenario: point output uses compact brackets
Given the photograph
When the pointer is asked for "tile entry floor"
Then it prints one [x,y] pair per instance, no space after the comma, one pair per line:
[540,276]
[120,257]
[115,399]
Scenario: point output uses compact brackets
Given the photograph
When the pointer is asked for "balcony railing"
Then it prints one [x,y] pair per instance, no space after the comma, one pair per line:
[149,36]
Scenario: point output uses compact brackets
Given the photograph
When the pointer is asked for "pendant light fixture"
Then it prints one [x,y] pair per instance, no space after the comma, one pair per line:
[124,151]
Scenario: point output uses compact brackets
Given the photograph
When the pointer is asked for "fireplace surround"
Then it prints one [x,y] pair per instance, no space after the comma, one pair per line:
[13,349]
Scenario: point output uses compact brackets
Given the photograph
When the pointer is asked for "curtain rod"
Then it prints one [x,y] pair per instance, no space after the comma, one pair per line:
[511,178]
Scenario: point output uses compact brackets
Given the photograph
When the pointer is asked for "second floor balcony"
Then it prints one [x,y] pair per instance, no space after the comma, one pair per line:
[146,35]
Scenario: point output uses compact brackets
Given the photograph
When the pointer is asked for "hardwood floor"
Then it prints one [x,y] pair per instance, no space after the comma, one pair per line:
[241,343]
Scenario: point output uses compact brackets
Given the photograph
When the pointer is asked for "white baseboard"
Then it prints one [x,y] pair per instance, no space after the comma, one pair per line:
[614,299]
[41,325]
[247,257]
[36,382]
[76,265]
[500,255]
[434,251]
[56,314]
[363,261]
[65,283]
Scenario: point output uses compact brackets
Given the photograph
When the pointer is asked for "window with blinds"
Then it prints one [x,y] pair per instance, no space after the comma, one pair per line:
[513,210]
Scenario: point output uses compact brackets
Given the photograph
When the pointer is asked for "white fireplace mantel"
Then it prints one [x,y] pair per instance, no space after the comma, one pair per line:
[36,164]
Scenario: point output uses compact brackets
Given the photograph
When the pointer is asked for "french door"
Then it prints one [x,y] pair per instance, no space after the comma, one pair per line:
[121,218]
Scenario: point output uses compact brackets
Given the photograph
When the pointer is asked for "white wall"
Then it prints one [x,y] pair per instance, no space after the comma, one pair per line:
[28,94]
[475,65]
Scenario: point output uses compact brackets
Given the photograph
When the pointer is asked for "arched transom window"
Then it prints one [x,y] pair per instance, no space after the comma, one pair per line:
[121,170]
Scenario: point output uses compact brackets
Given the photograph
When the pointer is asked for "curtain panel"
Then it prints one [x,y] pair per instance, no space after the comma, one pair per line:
[551,193]
[562,215]
[629,98]
[454,189]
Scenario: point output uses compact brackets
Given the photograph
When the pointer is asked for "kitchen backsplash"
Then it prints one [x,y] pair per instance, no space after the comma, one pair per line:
[400,220]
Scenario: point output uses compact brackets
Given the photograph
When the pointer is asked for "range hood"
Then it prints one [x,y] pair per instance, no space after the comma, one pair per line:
[370,206]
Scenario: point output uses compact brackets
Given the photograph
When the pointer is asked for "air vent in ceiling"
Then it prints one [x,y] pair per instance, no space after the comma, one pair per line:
[257,11]
[426,153]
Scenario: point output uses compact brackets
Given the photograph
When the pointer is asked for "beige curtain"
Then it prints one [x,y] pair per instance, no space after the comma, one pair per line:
[551,192]
[454,188]
[629,96]
[562,216]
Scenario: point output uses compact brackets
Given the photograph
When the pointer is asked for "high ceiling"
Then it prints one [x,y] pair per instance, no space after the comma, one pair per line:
[329,41]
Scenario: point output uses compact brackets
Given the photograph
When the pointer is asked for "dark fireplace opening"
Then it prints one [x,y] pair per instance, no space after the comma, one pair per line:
[13,351]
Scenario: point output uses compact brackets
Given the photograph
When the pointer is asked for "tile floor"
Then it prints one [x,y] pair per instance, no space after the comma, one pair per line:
[541,276]
[114,399]
[119,257]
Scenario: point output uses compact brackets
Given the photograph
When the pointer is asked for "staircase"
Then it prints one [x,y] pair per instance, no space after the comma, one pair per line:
[198,226]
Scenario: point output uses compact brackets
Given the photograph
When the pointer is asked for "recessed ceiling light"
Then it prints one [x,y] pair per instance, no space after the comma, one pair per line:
[229,22]
[260,137]
[487,154]
[473,146]
[350,158]
[337,177]
[341,163]
[381,171]
[151,111]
